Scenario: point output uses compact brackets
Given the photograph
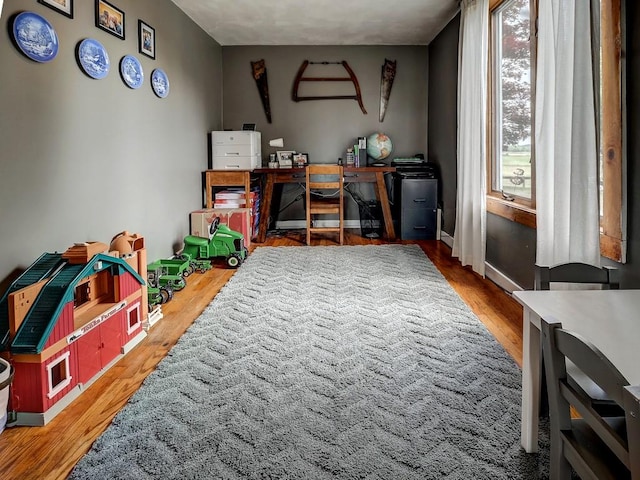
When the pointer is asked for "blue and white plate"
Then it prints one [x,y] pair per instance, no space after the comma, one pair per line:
[35,36]
[160,83]
[131,71]
[93,58]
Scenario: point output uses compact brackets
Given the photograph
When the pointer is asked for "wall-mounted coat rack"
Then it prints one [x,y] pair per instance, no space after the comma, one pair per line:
[351,78]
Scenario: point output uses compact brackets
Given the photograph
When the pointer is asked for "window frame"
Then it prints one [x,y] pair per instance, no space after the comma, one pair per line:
[611,135]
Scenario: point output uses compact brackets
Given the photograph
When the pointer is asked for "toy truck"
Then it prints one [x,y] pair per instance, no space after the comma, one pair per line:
[222,242]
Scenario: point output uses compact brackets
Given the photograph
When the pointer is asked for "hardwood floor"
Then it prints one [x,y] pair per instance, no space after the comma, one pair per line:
[50,452]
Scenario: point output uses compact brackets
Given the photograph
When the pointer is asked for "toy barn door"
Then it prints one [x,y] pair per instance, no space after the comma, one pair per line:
[89,362]
[98,347]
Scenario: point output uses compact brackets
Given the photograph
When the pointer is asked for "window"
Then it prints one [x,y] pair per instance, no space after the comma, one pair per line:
[512,162]
[133,318]
[58,374]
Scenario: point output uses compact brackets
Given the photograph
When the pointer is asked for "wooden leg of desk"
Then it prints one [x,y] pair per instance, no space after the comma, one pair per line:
[265,209]
[381,189]
[209,187]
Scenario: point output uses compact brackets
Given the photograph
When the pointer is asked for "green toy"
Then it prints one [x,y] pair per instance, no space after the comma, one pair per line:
[222,242]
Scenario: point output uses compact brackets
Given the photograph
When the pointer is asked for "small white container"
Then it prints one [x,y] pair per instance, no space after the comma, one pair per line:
[6,376]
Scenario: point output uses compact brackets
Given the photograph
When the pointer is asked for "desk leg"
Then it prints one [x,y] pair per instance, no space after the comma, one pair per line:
[209,186]
[530,383]
[381,193]
[265,208]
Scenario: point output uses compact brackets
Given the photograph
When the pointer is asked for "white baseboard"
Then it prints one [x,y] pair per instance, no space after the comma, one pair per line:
[491,272]
[501,279]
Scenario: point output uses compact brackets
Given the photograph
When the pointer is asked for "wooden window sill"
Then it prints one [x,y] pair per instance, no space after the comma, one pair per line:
[512,211]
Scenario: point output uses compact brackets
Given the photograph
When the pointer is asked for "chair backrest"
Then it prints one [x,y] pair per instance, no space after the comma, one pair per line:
[326,181]
[334,172]
[612,442]
[576,272]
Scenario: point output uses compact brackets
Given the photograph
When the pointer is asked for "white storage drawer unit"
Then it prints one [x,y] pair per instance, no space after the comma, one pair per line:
[237,150]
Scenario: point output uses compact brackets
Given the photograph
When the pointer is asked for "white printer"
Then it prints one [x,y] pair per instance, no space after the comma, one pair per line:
[238,150]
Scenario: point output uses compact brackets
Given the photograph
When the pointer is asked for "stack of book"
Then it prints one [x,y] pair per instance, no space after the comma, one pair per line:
[236,198]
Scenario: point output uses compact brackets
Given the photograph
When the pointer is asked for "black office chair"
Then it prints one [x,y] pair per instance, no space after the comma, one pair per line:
[596,446]
[582,275]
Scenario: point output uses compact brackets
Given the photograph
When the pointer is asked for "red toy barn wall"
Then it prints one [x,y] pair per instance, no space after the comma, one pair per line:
[127,284]
[126,334]
[30,384]
[63,327]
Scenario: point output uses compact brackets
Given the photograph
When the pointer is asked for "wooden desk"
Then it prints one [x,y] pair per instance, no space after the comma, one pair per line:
[373,175]
[606,318]
[223,178]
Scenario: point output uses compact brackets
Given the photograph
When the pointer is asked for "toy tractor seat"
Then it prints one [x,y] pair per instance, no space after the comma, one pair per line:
[200,244]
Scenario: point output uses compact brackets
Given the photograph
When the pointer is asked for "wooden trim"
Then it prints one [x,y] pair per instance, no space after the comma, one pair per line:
[512,211]
[612,238]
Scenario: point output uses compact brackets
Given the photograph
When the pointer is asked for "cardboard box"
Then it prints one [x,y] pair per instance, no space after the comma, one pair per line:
[238,219]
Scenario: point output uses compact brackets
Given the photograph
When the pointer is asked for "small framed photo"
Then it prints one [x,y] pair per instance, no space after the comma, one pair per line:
[65,7]
[146,39]
[110,18]
[285,158]
[300,159]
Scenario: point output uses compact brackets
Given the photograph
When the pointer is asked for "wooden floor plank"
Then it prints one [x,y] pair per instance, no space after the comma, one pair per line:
[50,452]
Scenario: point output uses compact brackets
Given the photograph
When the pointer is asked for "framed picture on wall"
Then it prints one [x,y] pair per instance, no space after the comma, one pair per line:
[65,7]
[110,18]
[146,39]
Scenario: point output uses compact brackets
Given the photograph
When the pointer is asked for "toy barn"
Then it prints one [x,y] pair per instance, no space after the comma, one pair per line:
[67,319]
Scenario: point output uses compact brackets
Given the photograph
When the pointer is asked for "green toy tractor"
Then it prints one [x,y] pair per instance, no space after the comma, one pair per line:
[222,242]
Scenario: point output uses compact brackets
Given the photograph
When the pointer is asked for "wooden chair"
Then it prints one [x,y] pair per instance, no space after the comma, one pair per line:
[597,447]
[580,274]
[324,196]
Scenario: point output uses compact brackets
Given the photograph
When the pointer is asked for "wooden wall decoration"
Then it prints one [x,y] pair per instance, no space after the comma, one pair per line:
[386,82]
[259,71]
[351,78]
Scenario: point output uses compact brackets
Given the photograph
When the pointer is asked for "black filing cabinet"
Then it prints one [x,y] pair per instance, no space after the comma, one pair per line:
[416,205]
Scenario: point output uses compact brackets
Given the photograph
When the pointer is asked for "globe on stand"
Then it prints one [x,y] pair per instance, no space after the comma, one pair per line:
[379,146]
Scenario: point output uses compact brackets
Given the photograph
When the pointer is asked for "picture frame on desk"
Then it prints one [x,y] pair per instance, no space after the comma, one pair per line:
[300,159]
[285,158]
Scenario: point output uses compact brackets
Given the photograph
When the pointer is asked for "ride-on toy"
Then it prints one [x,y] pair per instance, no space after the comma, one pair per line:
[222,242]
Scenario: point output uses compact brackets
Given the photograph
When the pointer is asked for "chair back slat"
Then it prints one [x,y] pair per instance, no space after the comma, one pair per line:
[580,273]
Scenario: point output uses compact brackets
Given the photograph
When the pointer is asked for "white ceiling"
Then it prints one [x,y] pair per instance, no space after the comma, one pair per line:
[320,22]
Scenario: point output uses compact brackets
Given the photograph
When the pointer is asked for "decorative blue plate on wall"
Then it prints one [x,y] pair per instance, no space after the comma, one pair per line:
[131,71]
[160,83]
[35,36]
[93,58]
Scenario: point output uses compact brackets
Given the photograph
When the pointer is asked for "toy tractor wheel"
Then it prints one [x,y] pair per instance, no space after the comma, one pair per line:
[166,293]
[234,260]
[188,271]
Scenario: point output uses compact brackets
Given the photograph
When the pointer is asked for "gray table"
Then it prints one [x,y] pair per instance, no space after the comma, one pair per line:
[610,319]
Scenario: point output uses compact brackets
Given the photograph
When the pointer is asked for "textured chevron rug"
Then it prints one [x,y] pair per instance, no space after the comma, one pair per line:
[355,362]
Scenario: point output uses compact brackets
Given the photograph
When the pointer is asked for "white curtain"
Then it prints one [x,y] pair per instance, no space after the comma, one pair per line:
[565,139]
[469,238]
[1,2]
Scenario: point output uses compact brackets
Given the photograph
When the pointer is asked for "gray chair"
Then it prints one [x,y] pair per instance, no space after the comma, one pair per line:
[576,273]
[596,446]
[580,275]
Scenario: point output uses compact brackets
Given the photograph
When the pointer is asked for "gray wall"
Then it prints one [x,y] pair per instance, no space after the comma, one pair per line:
[83,159]
[325,128]
[511,246]
[443,92]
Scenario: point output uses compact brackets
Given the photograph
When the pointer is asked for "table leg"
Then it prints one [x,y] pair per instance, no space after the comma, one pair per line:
[381,193]
[265,208]
[530,383]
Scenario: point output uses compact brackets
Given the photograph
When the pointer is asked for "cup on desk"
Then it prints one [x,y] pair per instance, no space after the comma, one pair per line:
[273,162]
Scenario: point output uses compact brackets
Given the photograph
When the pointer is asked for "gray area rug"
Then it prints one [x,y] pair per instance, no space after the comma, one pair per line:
[355,362]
